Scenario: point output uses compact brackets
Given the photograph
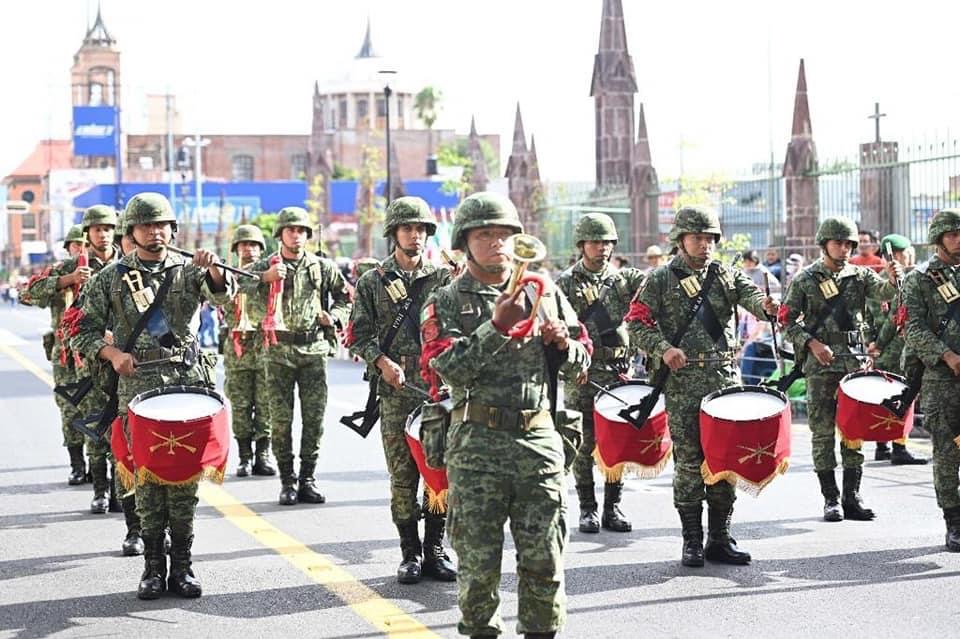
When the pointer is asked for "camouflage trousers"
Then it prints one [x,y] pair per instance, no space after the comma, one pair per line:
[480,504]
[822,416]
[404,475]
[247,391]
[581,398]
[68,412]
[310,379]
[161,506]
[941,416]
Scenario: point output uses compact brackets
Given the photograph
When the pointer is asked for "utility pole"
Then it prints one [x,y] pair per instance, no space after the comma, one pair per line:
[169,104]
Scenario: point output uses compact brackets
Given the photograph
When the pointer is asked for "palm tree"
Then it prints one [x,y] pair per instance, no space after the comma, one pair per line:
[427,106]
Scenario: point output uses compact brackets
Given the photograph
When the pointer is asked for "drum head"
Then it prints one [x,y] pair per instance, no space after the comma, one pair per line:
[413,423]
[744,403]
[632,393]
[872,387]
[177,404]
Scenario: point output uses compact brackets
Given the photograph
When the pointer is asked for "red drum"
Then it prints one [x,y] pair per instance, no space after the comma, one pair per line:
[620,446]
[860,415]
[179,434]
[745,435]
[122,455]
[434,480]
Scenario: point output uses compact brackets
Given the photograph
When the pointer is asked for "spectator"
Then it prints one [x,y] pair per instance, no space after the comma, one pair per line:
[868,251]
[757,362]
[621,262]
[772,262]
[208,326]
[654,258]
[756,271]
[793,266]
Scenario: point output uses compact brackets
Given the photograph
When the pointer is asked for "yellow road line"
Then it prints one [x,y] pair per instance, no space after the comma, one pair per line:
[364,601]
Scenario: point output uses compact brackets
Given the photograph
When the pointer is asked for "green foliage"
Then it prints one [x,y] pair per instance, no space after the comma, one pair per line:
[426,104]
[706,191]
[341,172]
[730,247]
[267,223]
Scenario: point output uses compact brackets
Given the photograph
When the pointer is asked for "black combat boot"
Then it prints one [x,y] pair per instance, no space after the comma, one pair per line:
[539,635]
[100,502]
[852,504]
[78,468]
[831,495]
[288,481]
[691,519]
[952,517]
[613,518]
[902,457]
[182,580]
[308,493]
[882,452]
[246,457]
[589,517]
[261,459]
[153,581]
[436,562]
[132,544]
[409,570]
[721,547]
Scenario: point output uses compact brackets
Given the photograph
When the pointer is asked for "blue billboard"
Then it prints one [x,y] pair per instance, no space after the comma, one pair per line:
[96,130]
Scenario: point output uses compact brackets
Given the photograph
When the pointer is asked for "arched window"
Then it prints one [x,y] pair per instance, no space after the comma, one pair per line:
[243,168]
[298,166]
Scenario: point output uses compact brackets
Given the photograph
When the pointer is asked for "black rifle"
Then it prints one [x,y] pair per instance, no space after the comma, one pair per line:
[637,414]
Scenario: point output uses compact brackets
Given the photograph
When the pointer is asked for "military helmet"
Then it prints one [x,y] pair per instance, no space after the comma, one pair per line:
[944,221]
[99,214]
[120,228]
[248,233]
[838,228]
[293,216]
[695,219]
[483,208]
[148,208]
[75,234]
[409,210]
[596,227]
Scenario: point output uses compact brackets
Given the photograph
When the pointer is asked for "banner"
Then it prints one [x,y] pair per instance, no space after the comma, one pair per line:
[96,131]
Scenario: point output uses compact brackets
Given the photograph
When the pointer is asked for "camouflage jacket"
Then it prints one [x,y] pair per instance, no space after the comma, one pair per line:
[880,317]
[482,365]
[309,284]
[925,308]
[805,301]
[374,312]
[666,304]
[108,304]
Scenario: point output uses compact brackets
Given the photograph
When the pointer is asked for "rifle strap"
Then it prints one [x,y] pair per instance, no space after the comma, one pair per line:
[713,271]
[834,305]
[605,287]
[403,313]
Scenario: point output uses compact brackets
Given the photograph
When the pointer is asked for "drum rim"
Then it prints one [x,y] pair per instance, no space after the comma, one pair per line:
[171,390]
[874,373]
[628,382]
[740,388]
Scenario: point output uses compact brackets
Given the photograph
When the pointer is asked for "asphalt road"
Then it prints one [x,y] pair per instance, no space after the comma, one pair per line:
[328,570]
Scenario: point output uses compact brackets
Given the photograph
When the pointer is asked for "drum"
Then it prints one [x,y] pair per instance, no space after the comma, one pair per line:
[122,455]
[179,434]
[860,414]
[745,436]
[621,447]
[434,480]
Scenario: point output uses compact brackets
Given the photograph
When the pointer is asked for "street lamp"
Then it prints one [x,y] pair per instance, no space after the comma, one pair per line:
[387,91]
[197,143]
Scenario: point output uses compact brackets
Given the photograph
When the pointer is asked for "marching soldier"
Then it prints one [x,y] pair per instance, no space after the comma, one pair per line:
[302,322]
[121,293]
[933,333]
[661,307]
[394,293]
[245,383]
[601,297]
[505,456]
[823,315]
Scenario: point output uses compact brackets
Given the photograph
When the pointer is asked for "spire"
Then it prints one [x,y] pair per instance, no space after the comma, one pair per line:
[519,138]
[534,164]
[97,35]
[801,110]
[316,88]
[473,127]
[612,66]
[366,49]
[641,151]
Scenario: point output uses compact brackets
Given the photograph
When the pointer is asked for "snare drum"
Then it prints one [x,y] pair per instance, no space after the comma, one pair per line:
[179,434]
[860,414]
[621,447]
[434,480]
[745,436]
[122,455]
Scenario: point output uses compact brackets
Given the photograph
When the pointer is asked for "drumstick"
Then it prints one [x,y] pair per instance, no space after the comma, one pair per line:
[606,392]
[773,326]
[418,390]
[232,269]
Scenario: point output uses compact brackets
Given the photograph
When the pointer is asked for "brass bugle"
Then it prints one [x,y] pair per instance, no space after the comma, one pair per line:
[522,249]
[232,269]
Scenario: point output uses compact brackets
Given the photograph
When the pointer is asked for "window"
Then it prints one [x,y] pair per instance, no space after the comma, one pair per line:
[298,166]
[28,221]
[96,94]
[362,109]
[243,168]
[400,110]
[342,112]
[381,108]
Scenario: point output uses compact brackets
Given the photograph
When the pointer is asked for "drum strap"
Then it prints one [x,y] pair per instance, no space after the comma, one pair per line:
[835,305]
[598,314]
[705,312]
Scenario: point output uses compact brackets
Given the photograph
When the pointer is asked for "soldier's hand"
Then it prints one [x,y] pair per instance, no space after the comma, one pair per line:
[895,271]
[204,258]
[821,351]
[325,318]
[275,273]
[771,306]
[391,372]
[873,350]
[583,377]
[674,358]
[81,275]
[555,332]
[508,311]
[953,361]
[124,364]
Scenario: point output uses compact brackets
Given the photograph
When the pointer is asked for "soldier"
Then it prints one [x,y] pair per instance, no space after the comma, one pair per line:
[245,383]
[933,333]
[304,341]
[504,455]
[660,308]
[601,296]
[396,291]
[823,315]
[115,301]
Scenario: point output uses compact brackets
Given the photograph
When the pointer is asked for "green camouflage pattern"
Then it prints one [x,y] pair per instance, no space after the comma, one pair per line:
[483,209]
[941,416]
[944,221]
[308,373]
[838,228]
[595,227]
[494,473]
[98,214]
[695,219]
[245,382]
[75,234]
[292,216]
[408,210]
[159,507]
[148,208]
[68,412]
[248,233]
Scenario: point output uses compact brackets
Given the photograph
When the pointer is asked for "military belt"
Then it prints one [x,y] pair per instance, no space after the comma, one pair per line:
[709,357]
[246,336]
[501,418]
[150,354]
[298,338]
[607,353]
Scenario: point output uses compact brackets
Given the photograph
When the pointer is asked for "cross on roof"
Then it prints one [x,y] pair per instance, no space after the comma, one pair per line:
[876,120]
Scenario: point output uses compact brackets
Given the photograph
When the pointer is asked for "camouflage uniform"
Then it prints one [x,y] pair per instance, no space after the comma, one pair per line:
[245,375]
[109,304]
[665,303]
[926,290]
[373,314]
[611,356]
[803,305]
[300,356]
[505,458]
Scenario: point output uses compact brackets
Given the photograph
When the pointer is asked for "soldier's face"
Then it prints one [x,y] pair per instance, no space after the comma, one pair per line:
[598,252]
[75,248]
[699,246]
[126,245]
[152,237]
[294,238]
[486,246]
[100,236]
[411,238]
[248,251]
[951,244]
[838,250]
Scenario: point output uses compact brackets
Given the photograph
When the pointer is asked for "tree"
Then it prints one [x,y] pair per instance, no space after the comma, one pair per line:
[370,207]
[426,104]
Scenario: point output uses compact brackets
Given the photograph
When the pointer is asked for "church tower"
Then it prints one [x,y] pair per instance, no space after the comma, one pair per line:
[523,178]
[95,78]
[802,189]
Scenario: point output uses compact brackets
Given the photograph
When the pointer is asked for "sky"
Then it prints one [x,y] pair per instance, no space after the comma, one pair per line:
[716,79]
